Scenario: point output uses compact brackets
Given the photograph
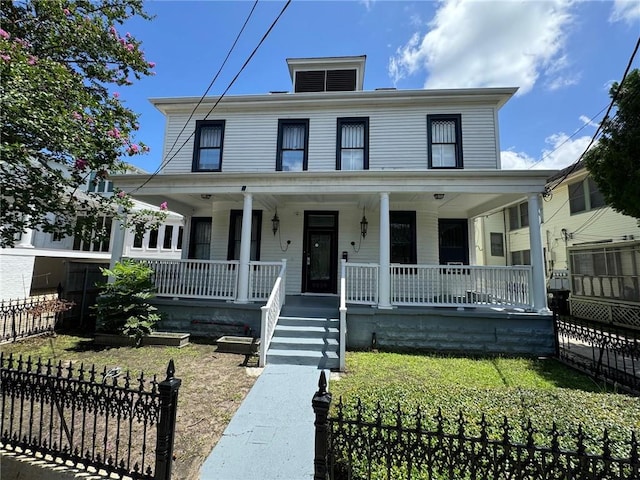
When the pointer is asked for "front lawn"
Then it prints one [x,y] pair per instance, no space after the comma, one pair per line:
[213,385]
[542,390]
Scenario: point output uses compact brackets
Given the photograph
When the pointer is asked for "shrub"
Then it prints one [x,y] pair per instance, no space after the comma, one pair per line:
[123,306]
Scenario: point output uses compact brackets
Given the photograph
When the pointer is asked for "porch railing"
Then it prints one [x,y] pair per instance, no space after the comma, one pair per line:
[271,312]
[195,278]
[262,276]
[442,285]
[343,314]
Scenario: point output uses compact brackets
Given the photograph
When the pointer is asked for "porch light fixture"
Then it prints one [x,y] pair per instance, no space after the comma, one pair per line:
[438,196]
[364,225]
[275,223]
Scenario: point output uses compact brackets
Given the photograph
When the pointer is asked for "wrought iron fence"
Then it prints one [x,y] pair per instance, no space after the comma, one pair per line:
[606,352]
[355,443]
[30,316]
[123,426]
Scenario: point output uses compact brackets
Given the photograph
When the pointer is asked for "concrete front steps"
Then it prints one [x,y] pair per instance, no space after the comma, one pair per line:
[305,341]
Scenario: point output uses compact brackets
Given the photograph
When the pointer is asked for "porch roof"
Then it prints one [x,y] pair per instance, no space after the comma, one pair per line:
[468,192]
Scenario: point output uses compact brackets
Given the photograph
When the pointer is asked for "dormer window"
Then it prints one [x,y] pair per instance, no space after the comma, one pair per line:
[325,81]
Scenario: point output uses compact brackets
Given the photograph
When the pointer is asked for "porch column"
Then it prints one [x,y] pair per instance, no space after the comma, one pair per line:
[26,239]
[245,250]
[538,287]
[117,245]
[384,276]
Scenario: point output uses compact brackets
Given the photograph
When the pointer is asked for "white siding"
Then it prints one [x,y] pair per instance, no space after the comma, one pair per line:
[397,138]
[16,272]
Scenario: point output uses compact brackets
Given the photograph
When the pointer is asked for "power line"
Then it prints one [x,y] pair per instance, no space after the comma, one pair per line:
[604,119]
[255,50]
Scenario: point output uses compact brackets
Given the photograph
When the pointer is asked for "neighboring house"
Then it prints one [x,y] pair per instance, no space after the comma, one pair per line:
[388,180]
[40,261]
[590,250]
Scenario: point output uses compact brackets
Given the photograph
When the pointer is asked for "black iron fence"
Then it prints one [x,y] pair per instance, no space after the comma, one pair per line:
[30,316]
[103,420]
[355,443]
[606,352]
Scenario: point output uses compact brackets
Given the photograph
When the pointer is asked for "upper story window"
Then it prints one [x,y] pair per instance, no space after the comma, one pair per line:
[207,154]
[293,145]
[343,80]
[584,196]
[497,244]
[353,144]
[444,141]
[93,234]
[99,184]
[519,216]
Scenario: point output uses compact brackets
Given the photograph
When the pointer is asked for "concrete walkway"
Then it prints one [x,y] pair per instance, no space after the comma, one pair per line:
[271,436]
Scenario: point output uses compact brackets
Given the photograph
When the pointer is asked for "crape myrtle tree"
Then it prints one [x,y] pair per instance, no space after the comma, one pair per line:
[614,162]
[61,65]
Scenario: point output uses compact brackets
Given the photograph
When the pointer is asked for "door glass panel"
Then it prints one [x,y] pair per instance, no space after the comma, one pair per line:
[320,257]
[321,220]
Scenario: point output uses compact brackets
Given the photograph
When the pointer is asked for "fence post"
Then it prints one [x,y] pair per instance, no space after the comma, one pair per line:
[167,426]
[321,403]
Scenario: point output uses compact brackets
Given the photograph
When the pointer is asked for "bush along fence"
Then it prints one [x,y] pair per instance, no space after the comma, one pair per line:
[355,443]
[89,419]
[30,316]
[605,352]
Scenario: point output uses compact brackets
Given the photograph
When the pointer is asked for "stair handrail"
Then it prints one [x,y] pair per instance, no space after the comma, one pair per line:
[271,312]
[343,315]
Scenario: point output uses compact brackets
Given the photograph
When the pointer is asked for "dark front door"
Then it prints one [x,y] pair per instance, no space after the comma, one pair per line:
[453,241]
[320,256]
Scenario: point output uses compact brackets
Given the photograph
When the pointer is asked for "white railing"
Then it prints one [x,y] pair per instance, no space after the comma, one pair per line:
[343,314]
[271,312]
[195,278]
[460,285]
[361,285]
[262,276]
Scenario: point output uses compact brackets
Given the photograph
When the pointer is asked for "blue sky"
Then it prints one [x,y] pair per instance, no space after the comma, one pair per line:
[562,54]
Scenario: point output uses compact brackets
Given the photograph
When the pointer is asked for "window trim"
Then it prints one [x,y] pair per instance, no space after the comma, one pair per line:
[457,119]
[292,121]
[233,214]
[365,154]
[200,124]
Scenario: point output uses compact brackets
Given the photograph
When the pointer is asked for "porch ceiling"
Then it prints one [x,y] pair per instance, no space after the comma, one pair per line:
[466,193]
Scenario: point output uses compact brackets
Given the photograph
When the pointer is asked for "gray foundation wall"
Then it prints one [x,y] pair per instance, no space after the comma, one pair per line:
[468,331]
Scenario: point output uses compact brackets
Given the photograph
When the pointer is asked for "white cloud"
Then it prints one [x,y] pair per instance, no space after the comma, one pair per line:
[489,43]
[625,10]
[588,121]
[562,152]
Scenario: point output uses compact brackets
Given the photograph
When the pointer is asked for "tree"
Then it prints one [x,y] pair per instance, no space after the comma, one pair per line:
[614,162]
[60,61]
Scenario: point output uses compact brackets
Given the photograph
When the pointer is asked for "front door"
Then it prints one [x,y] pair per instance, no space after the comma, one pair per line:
[454,241]
[320,255]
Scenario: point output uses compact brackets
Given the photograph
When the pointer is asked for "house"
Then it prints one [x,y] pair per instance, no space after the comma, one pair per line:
[40,262]
[362,197]
[590,250]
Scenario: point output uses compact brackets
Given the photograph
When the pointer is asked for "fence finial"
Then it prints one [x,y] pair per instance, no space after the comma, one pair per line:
[322,383]
[171,370]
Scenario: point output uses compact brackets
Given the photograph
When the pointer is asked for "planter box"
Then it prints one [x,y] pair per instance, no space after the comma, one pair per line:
[158,339]
[241,345]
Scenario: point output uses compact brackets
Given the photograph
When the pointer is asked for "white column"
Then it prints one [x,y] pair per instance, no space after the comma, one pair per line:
[538,286]
[245,250]
[384,276]
[26,239]
[117,243]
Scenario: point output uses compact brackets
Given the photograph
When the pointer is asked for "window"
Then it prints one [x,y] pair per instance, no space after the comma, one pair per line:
[292,145]
[402,229]
[99,184]
[153,238]
[453,241]
[352,150]
[521,257]
[584,196]
[92,234]
[138,237]
[235,235]
[168,237]
[180,231]
[444,141]
[207,154]
[325,80]
[519,216]
[200,241]
[497,244]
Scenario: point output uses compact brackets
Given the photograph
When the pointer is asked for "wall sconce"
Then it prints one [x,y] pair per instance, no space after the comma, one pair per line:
[438,196]
[205,196]
[275,228]
[364,225]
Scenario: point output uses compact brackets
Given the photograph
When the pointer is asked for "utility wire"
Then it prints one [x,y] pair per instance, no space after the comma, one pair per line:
[255,50]
[604,119]
[235,42]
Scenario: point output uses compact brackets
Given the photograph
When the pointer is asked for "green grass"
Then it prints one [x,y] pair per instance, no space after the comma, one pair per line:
[542,390]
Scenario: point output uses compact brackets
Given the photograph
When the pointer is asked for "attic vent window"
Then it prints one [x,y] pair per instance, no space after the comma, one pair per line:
[326,81]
